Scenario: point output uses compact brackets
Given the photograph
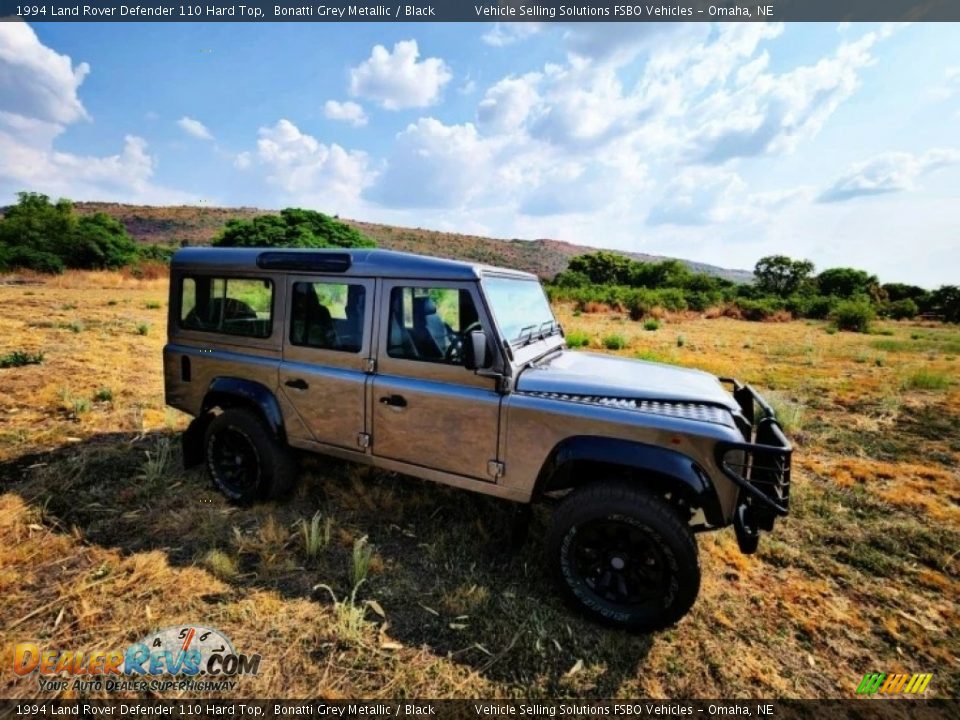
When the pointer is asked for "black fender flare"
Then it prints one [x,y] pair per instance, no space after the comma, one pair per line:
[231,392]
[666,465]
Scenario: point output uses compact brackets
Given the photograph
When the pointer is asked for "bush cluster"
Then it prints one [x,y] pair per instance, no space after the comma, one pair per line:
[782,288]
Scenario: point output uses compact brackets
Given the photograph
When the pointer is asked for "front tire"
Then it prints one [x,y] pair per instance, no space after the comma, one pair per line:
[244,459]
[624,557]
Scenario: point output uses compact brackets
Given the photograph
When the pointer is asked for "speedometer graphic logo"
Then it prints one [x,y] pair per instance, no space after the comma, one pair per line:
[189,650]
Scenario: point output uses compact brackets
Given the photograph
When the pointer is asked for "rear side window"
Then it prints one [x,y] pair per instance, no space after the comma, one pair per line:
[233,306]
[328,316]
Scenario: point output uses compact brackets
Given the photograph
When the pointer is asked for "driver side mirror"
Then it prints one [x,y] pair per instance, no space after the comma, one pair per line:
[476,355]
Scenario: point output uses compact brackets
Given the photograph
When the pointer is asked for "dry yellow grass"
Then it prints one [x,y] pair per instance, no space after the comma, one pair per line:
[104,537]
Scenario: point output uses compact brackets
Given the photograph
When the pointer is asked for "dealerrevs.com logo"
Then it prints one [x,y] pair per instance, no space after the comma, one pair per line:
[894,683]
[191,657]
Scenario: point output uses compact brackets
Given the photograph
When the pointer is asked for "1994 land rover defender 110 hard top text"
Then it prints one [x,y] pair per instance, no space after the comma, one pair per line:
[458,373]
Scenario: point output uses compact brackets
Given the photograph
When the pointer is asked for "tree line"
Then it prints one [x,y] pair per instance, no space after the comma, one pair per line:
[782,285]
[50,237]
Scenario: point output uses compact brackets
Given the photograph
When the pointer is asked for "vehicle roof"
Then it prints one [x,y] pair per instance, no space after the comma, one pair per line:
[364,263]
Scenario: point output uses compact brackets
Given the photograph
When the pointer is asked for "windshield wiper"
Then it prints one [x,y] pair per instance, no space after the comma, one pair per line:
[533,333]
[528,330]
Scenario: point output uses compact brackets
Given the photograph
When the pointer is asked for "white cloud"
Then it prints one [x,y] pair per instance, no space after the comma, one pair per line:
[568,188]
[621,42]
[347,111]
[887,173]
[306,170]
[584,104]
[125,176]
[502,34]
[696,196]
[38,100]
[35,81]
[397,79]
[949,86]
[506,105]
[194,128]
[434,165]
[764,113]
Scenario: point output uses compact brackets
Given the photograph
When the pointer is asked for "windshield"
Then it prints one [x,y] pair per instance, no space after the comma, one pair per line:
[520,308]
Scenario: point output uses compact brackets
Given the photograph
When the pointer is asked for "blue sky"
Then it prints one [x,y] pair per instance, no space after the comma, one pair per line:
[723,143]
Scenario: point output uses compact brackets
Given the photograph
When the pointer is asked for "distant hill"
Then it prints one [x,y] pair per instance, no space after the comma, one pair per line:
[199,225]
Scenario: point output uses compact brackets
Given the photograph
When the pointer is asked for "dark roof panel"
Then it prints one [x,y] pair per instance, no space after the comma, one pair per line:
[364,263]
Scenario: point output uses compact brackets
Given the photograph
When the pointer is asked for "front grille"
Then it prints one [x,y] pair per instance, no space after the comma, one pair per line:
[684,410]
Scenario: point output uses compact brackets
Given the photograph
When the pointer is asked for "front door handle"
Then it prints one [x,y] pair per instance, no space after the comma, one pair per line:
[394,400]
[297,384]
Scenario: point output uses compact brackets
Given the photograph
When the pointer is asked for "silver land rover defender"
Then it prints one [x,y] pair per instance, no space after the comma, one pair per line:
[458,373]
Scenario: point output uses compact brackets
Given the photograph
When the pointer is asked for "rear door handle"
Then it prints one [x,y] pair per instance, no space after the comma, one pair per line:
[297,384]
[394,400]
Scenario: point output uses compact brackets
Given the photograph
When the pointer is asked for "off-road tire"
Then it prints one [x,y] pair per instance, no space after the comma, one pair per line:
[272,469]
[646,521]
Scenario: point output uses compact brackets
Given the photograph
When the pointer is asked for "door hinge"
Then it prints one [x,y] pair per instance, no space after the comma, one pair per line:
[371,365]
[495,468]
[363,440]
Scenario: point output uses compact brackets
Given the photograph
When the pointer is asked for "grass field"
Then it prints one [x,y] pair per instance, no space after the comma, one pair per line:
[103,537]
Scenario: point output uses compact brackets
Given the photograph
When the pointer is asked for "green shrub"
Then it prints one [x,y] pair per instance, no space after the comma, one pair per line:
[19,358]
[902,310]
[577,338]
[757,310]
[24,257]
[672,299]
[651,356]
[104,394]
[293,227]
[703,300]
[156,253]
[614,342]
[651,325]
[639,302]
[820,307]
[152,305]
[853,315]
[817,307]
[681,341]
[143,329]
[925,379]
[571,279]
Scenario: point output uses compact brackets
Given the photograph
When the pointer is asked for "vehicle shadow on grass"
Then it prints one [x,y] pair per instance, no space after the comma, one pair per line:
[439,562]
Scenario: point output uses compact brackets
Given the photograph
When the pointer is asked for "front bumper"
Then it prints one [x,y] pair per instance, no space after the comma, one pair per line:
[759,466]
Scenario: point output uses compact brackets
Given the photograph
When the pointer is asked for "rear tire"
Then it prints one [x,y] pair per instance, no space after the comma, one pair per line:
[244,459]
[624,557]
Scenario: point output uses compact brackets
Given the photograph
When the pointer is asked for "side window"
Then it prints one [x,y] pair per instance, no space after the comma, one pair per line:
[234,306]
[429,324]
[327,315]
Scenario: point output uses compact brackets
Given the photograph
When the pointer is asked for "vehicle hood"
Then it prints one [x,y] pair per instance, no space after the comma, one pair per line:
[607,376]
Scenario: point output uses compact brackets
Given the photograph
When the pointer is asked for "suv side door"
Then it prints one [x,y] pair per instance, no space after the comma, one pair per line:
[427,408]
[326,347]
